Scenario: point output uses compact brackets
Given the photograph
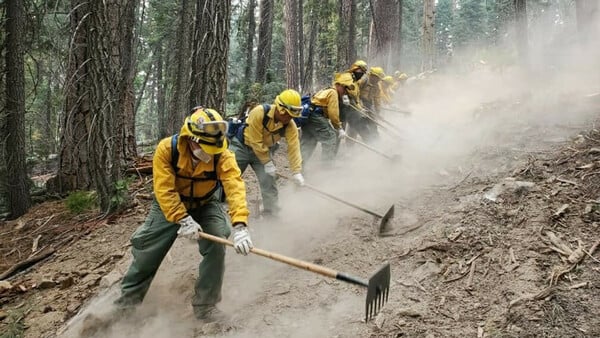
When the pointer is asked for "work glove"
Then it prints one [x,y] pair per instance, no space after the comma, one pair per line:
[270,169]
[341,133]
[345,100]
[298,179]
[241,239]
[189,228]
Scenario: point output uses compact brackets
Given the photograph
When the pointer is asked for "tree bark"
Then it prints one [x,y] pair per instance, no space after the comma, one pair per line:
[17,182]
[178,105]
[265,38]
[384,32]
[346,33]
[249,43]
[292,64]
[73,171]
[209,54]
[111,96]
[428,39]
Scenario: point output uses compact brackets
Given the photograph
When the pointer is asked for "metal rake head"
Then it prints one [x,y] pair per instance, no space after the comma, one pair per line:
[377,291]
[384,220]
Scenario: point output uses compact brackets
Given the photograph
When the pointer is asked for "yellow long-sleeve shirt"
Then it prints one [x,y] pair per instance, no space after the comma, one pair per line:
[329,100]
[260,139]
[169,186]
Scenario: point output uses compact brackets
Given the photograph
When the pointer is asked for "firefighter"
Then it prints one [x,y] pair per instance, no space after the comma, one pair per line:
[189,171]
[254,145]
[324,125]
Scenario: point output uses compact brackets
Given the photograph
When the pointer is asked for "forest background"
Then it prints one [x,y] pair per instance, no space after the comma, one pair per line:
[87,84]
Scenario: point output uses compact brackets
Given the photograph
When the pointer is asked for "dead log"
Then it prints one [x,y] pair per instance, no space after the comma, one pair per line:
[26,263]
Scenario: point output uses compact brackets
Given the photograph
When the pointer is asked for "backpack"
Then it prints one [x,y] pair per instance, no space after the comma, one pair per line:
[236,126]
[307,109]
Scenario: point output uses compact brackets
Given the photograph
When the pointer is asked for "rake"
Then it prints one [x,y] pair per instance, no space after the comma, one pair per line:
[393,158]
[384,218]
[378,285]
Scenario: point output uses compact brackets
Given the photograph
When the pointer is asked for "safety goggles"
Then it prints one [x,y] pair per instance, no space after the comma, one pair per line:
[211,128]
[291,110]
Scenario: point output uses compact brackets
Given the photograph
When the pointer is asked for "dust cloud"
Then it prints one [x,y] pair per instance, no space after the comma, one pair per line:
[454,114]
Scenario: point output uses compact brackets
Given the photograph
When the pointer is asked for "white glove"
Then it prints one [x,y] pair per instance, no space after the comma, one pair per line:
[341,133]
[298,179]
[345,100]
[189,227]
[270,168]
[241,239]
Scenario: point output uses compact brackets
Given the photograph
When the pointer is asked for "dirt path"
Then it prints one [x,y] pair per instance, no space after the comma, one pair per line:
[471,252]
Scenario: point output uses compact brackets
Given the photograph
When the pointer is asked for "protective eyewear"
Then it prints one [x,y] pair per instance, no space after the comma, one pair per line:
[292,110]
[212,128]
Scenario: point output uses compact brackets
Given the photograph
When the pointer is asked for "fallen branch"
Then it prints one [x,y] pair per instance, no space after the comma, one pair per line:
[545,293]
[26,263]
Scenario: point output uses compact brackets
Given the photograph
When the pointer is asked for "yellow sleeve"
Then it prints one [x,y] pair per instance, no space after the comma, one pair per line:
[253,134]
[230,176]
[293,147]
[165,191]
[333,109]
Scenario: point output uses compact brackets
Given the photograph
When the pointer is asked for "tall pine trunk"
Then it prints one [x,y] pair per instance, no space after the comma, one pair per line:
[265,38]
[292,62]
[16,180]
[209,54]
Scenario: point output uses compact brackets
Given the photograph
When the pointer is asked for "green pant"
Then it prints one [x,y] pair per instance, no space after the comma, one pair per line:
[244,155]
[317,129]
[151,242]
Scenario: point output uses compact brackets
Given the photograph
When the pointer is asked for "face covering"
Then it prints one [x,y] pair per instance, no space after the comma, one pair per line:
[201,155]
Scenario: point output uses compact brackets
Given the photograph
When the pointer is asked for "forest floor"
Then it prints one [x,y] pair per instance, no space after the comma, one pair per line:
[495,235]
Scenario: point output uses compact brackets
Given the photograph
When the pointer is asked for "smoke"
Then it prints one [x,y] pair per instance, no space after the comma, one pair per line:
[455,115]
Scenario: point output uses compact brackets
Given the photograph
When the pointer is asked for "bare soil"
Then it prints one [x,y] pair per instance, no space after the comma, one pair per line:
[496,241]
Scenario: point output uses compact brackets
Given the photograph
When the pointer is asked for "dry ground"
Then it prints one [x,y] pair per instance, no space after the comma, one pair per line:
[495,233]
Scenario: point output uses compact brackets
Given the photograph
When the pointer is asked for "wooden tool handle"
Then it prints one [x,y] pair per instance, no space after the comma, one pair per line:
[308,186]
[369,147]
[278,257]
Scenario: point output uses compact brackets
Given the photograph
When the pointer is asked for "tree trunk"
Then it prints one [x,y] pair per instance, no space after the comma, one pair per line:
[178,105]
[249,43]
[384,32]
[17,182]
[310,57]
[73,171]
[111,96]
[522,41]
[265,38]
[292,64]
[209,54]
[301,45]
[346,33]
[428,39]
[397,59]
[160,91]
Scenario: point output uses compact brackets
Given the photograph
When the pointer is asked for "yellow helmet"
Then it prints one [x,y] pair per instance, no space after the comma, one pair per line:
[402,77]
[290,101]
[377,71]
[388,79]
[206,127]
[359,64]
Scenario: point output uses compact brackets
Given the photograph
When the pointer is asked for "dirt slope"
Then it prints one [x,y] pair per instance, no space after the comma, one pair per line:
[487,241]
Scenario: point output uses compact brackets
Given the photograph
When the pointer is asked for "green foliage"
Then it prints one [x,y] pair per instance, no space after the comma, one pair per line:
[80,201]
[121,193]
[15,328]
